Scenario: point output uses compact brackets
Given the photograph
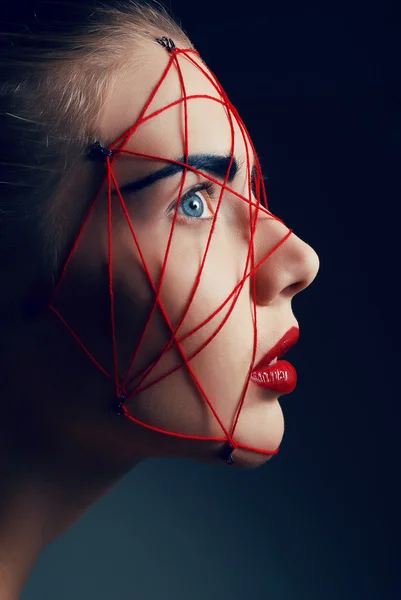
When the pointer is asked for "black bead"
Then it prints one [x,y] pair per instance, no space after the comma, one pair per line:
[116,405]
[166,43]
[96,150]
[226,454]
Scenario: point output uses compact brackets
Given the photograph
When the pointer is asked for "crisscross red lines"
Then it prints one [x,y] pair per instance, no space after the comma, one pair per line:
[118,147]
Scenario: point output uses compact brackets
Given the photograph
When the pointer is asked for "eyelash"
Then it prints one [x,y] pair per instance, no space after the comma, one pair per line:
[208,187]
[253,185]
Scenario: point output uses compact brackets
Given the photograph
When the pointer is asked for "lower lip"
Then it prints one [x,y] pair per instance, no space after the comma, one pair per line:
[280,377]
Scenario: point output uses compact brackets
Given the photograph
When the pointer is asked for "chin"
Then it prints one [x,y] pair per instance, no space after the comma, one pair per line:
[262,428]
[245,459]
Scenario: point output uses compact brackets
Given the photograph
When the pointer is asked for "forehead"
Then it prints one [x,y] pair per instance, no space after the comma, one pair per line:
[163,135]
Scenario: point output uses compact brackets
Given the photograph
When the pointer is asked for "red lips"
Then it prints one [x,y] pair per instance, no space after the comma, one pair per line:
[280,377]
[283,345]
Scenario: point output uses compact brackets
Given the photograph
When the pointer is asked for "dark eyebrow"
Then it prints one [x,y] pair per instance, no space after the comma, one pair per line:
[210,163]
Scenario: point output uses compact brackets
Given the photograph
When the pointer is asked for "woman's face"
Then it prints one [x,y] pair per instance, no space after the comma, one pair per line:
[175,403]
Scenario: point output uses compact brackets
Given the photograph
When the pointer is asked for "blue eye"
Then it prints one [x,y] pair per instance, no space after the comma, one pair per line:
[193,204]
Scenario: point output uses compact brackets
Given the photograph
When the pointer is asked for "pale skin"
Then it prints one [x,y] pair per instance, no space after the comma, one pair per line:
[68,450]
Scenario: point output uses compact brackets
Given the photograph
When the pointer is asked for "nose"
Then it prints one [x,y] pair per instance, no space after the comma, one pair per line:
[288,270]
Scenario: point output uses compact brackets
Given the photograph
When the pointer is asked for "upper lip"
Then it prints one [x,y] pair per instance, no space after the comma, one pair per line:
[288,340]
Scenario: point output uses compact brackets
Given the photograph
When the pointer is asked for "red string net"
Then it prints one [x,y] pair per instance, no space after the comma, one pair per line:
[77,311]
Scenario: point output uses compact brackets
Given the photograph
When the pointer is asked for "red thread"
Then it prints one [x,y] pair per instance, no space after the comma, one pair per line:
[118,147]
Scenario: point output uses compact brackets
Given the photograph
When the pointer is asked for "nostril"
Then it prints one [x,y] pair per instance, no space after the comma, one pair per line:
[294,288]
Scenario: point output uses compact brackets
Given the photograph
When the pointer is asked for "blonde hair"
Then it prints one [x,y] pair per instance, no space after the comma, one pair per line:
[58,60]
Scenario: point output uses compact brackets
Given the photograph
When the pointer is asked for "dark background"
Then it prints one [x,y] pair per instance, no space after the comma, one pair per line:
[319,88]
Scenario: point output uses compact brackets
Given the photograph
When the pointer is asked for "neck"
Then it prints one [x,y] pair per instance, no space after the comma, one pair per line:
[25,526]
[60,447]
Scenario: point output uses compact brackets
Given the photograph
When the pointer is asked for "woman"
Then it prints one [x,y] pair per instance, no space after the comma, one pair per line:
[147,287]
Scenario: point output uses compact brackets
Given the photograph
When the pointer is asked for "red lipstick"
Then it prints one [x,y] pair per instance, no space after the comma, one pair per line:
[281,376]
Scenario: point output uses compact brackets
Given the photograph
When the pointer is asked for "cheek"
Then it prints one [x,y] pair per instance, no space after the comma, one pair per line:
[134,295]
[173,404]
[189,278]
